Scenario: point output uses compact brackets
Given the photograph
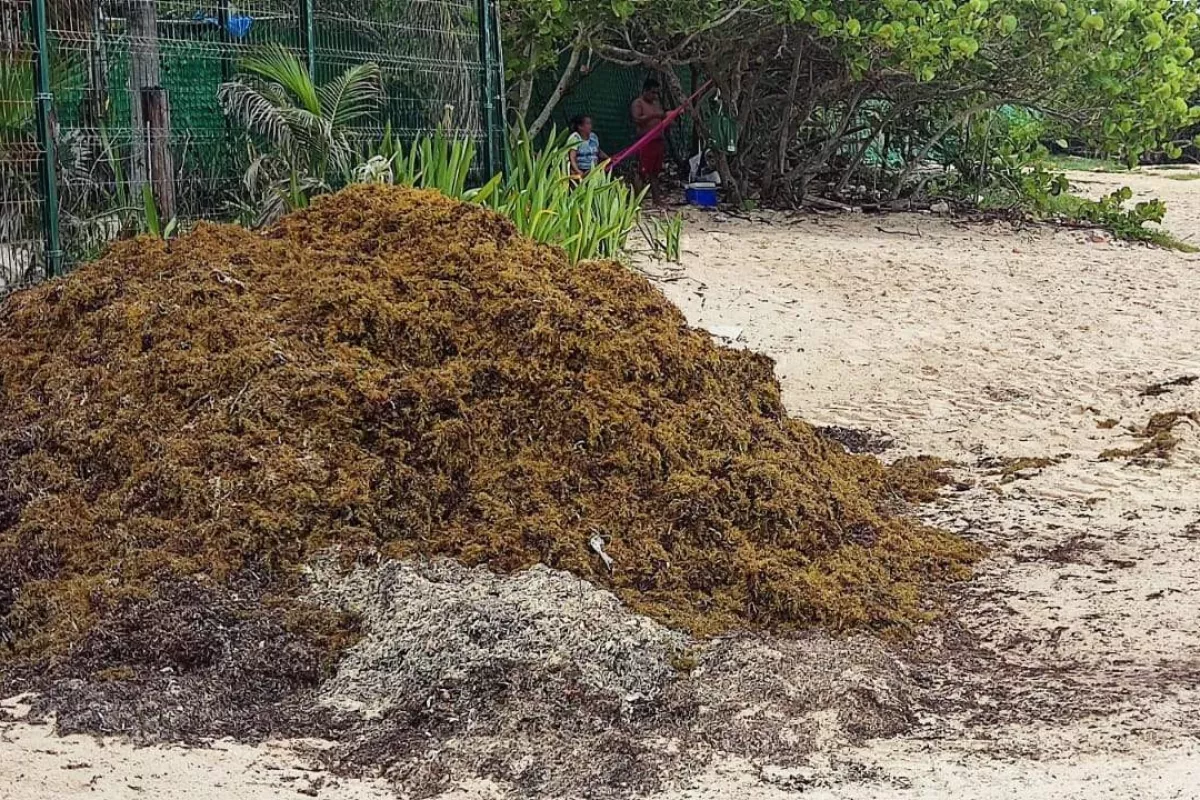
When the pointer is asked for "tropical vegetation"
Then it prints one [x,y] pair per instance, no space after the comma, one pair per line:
[852,98]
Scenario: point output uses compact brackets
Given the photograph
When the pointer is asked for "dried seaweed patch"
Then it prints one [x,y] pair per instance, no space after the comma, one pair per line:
[393,371]
[1159,435]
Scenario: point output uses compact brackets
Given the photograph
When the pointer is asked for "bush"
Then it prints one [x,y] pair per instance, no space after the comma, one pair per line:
[816,86]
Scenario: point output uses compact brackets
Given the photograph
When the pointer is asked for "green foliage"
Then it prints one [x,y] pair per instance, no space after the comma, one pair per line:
[305,128]
[151,218]
[1122,70]
[19,147]
[664,235]
[153,227]
[1043,193]
[673,238]
[1121,67]
[432,162]
[17,87]
[1002,165]
[815,84]
[1110,213]
[537,31]
[590,219]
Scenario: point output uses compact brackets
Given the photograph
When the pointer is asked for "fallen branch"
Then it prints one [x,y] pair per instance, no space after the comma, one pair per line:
[882,229]
[821,202]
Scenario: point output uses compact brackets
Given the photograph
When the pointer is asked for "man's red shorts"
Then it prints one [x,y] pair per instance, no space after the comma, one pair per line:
[651,156]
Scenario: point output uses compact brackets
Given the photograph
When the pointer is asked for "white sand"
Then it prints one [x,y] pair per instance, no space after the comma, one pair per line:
[967,341]
[37,765]
[962,341]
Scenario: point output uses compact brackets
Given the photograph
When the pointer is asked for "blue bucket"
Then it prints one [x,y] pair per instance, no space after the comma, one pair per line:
[703,195]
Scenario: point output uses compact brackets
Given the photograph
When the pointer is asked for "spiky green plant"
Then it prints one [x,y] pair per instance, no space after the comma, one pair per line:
[665,237]
[673,238]
[437,161]
[589,218]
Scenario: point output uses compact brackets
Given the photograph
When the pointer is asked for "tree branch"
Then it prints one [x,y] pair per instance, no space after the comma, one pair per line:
[560,89]
[526,96]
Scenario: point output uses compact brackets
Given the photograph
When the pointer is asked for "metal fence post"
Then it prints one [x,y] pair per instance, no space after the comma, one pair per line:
[47,172]
[501,93]
[308,36]
[488,95]
[226,39]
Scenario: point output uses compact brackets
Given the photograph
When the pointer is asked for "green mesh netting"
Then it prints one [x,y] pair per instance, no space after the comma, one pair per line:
[605,91]
[428,52]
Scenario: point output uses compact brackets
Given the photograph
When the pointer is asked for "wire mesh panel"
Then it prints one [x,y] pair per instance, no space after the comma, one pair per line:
[428,51]
[20,153]
[139,128]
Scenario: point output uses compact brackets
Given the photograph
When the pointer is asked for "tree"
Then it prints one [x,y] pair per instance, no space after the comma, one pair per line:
[306,128]
[557,37]
[817,86]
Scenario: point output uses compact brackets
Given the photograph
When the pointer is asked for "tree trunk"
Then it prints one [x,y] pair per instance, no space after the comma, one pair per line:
[525,87]
[864,149]
[804,172]
[932,142]
[780,165]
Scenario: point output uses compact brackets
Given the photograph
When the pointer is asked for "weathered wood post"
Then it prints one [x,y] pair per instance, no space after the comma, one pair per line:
[150,115]
[161,166]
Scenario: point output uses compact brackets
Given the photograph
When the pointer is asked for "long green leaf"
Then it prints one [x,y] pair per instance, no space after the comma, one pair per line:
[278,64]
[352,96]
[150,207]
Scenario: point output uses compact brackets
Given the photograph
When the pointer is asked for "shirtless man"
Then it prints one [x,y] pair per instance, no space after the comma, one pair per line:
[647,111]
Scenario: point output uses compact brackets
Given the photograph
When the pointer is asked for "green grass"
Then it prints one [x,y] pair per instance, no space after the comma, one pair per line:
[1187,176]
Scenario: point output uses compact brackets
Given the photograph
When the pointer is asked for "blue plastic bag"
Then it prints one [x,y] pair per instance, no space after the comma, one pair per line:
[238,25]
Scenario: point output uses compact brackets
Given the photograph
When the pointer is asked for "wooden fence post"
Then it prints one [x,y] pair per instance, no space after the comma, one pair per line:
[161,166]
[149,112]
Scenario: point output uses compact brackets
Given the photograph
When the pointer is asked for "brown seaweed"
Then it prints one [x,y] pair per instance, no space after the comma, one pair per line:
[391,371]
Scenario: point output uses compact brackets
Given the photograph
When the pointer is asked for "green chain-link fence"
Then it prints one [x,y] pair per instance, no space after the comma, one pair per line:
[126,86]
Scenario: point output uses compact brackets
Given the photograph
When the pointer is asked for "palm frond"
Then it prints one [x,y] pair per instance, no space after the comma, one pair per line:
[279,199]
[341,153]
[312,136]
[261,108]
[276,63]
[262,170]
[309,127]
[352,95]
[274,204]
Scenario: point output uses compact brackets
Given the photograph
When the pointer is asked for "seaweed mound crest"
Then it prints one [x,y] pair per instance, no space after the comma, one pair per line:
[392,371]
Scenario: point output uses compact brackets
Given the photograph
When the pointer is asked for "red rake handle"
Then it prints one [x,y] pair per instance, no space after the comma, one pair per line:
[654,132]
